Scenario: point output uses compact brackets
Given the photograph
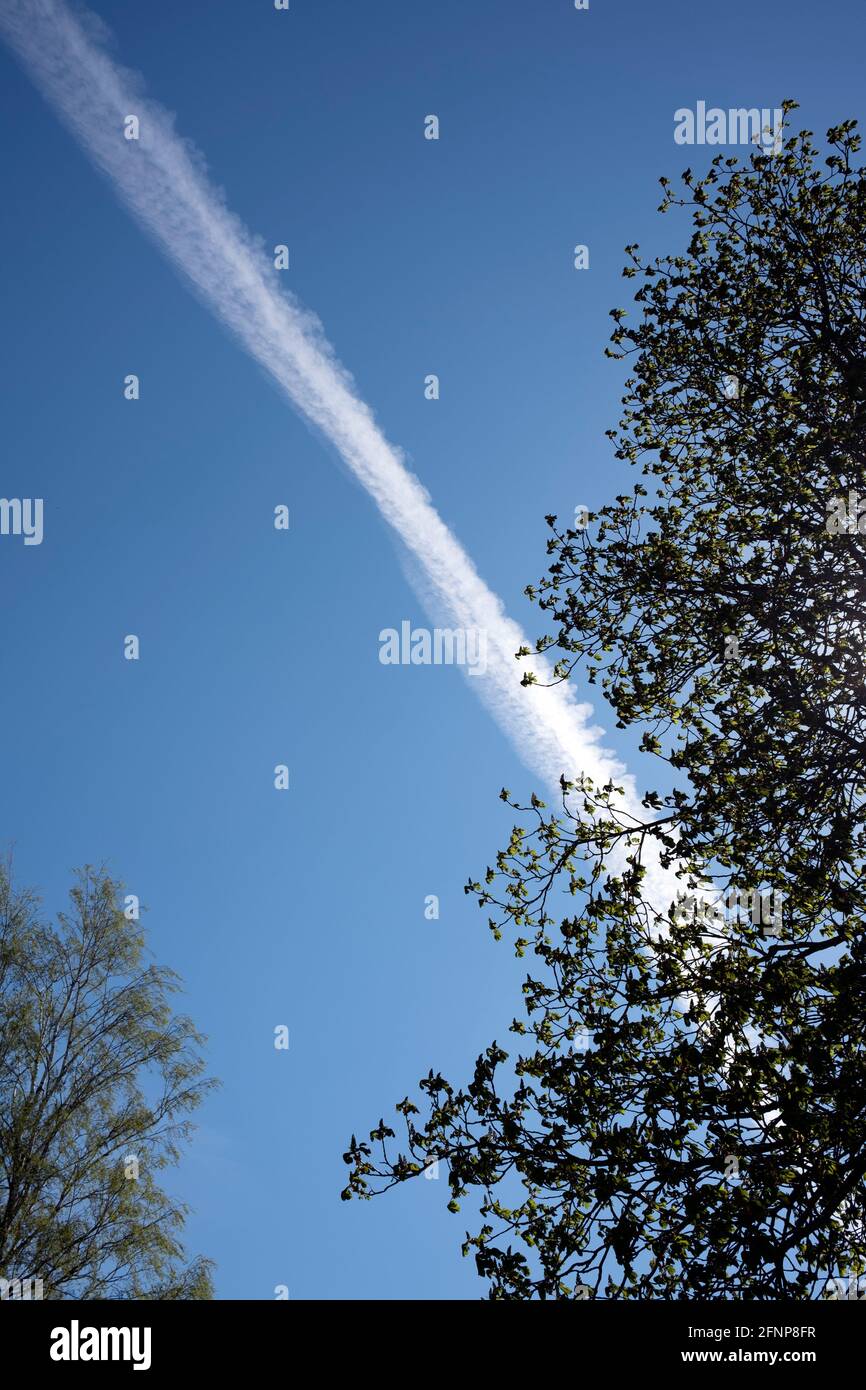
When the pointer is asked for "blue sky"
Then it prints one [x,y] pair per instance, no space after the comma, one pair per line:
[454,257]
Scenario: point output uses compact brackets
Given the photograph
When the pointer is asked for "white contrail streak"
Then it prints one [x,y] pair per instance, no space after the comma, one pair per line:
[162,179]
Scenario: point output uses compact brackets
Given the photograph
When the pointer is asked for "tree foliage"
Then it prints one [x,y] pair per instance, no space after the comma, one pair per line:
[98,1078]
[710,1141]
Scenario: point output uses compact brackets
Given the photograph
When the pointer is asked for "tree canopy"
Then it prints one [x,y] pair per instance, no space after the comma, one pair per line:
[98,1079]
[683,1114]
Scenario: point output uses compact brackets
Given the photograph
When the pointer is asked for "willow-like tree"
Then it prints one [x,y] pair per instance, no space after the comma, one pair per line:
[98,1078]
[684,1115]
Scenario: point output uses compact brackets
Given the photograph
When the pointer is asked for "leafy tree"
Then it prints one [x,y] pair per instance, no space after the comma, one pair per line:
[98,1077]
[710,1141]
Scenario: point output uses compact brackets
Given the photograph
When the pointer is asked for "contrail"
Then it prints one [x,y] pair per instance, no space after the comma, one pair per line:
[161,177]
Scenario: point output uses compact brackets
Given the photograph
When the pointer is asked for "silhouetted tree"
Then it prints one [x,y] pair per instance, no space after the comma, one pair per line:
[689,1117]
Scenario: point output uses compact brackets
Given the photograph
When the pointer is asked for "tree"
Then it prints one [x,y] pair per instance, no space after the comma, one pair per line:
[689,1119]
[98,1077]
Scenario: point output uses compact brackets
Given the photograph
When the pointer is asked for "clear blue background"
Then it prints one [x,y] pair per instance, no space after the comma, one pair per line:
[258,647]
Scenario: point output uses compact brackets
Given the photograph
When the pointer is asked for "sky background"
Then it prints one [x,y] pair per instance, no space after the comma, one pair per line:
[259,647]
